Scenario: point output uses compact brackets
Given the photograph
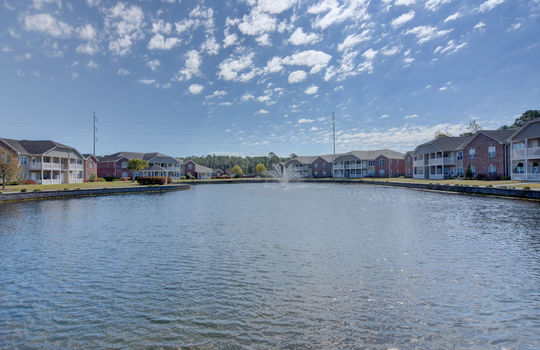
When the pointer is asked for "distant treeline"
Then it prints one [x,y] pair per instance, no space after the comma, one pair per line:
[247,164]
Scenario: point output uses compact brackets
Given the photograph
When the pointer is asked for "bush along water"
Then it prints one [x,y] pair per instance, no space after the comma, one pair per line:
[153,180]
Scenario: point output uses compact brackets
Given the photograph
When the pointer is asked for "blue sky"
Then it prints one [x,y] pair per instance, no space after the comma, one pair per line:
[252,77]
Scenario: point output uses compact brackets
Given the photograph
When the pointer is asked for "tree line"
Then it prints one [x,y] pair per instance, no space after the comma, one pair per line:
[247,164]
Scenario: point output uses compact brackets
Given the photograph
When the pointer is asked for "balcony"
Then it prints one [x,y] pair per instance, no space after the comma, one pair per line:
[45,166]
[435,161]
[528,176]
[418,163]
[449,161]
[519,154]
[533,152]
[436,176]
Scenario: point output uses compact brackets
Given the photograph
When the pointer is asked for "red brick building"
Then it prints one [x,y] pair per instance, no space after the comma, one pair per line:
[408,164]
[321,167]
[389,167]
[90,166]
[487,153]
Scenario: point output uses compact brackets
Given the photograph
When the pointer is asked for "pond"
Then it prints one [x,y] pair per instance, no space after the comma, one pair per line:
[266,266]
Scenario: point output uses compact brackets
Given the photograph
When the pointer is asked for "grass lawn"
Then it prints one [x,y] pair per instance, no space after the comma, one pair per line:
[447,182]
[85,185]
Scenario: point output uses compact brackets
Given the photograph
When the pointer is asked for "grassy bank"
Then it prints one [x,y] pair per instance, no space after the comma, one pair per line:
[82,186]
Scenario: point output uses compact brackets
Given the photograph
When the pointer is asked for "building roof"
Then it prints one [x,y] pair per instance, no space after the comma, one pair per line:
[88,155]
[519,130]
[202,169]
[148,156]
[119,155]
[376,153]
[155,167]
[448,143]
[36,146]
[499,135]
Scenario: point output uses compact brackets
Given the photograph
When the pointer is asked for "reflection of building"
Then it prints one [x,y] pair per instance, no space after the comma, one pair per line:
[116,165]
[47,162]
[196,170]
[525,152]
[377,163]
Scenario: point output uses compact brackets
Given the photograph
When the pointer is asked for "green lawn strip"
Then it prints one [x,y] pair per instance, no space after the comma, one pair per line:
[446,182]
[60,187]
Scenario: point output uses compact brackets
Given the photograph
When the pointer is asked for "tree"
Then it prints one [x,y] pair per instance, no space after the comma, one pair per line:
[440,133]
[473,128]
[525,118]
[468,173]
[237,171]
[8,167]
[260,169]
[137,165]
[292,155]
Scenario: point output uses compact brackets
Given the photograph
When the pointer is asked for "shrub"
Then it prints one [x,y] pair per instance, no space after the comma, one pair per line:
[526,188]
[110,178]
[189,176]
[151,180]
[92,177]
[23,190]
[37,190]
[506,178]
[66,189]
[100,179]
[490,185]
[125,178]
[29,182]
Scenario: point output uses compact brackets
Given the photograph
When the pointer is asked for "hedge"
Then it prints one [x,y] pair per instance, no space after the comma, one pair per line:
[152,180]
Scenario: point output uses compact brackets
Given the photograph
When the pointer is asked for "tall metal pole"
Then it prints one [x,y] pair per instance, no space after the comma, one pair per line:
[95,129]
[334,130]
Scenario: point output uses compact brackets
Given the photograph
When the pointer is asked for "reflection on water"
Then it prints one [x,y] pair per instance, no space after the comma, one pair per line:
[261,266]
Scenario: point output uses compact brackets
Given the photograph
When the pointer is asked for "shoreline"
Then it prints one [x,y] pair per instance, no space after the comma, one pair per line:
[92,192]
[442,188]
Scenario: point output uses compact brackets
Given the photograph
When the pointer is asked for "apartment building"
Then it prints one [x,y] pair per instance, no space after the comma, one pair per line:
[439,159]
[196,170]
[90,165]
[525,152]
[46,162]
[487,154]
[408,164]
[377,163]
[116,165]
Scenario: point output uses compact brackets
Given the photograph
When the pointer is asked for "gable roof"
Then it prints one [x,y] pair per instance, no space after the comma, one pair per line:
[155,167]
[119,155]
[89,155]
[36,146]
[498,135]
[448,143]
[519,130]
[376,153]
[202,169]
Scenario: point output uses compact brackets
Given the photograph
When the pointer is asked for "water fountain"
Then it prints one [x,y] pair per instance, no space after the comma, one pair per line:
[283,174]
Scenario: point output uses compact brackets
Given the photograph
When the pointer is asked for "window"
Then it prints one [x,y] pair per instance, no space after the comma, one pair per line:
[371,163]
[472,153]
[91,164]
[316,165]
[491,152]
[22,160]
[519,168]
[409,172]
[533,144]
[460,171]
[381,172]
[124,165]
[408,161]
[124,174]
[459,155]
[316,173]
[492,170]
[445,171]
[79,175]
[381,162]
[517,146]
[473,170]
[324,173]
[190,166]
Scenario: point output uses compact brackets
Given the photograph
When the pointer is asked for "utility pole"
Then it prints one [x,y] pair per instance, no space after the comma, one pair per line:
[95,129]
[334,130]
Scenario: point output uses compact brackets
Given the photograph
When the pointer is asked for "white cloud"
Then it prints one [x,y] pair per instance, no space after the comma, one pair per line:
[275,6]
[317,60]
[390,51]
[314,128]
[89,48]
[192,66]
[196,89]
[211,46]
[47,24]
[153,64]
[123,71]
[247,97]
[452,17]
[124,24]
[230,39]
[411,116]
[264,98]
[480,26]
[147,81]
[384,116]
[217,93]
[87,32]
[159,42]
[311,90]
[329,12]
[401,20]
[515,26]
[238,69]
[354,39]
[257,23]
[297,76]
[433,5]
[305,121]
[427,33]
[300,38]
[405,2]
[40,3]
[264,40]
[92,65]
[489,5]
[161,27]
[451,47]
[74,75]
[262,111]
[274,65]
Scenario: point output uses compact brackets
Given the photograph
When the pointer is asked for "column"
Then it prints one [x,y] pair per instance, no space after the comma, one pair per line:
[41,169]
[526,158]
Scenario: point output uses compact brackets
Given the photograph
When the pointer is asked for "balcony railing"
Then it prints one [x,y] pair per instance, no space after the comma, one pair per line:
[435,161]
[528,176]
[418,163]
[436,176]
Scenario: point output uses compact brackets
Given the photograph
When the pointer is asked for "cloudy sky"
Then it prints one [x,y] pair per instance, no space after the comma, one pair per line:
[250,77]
